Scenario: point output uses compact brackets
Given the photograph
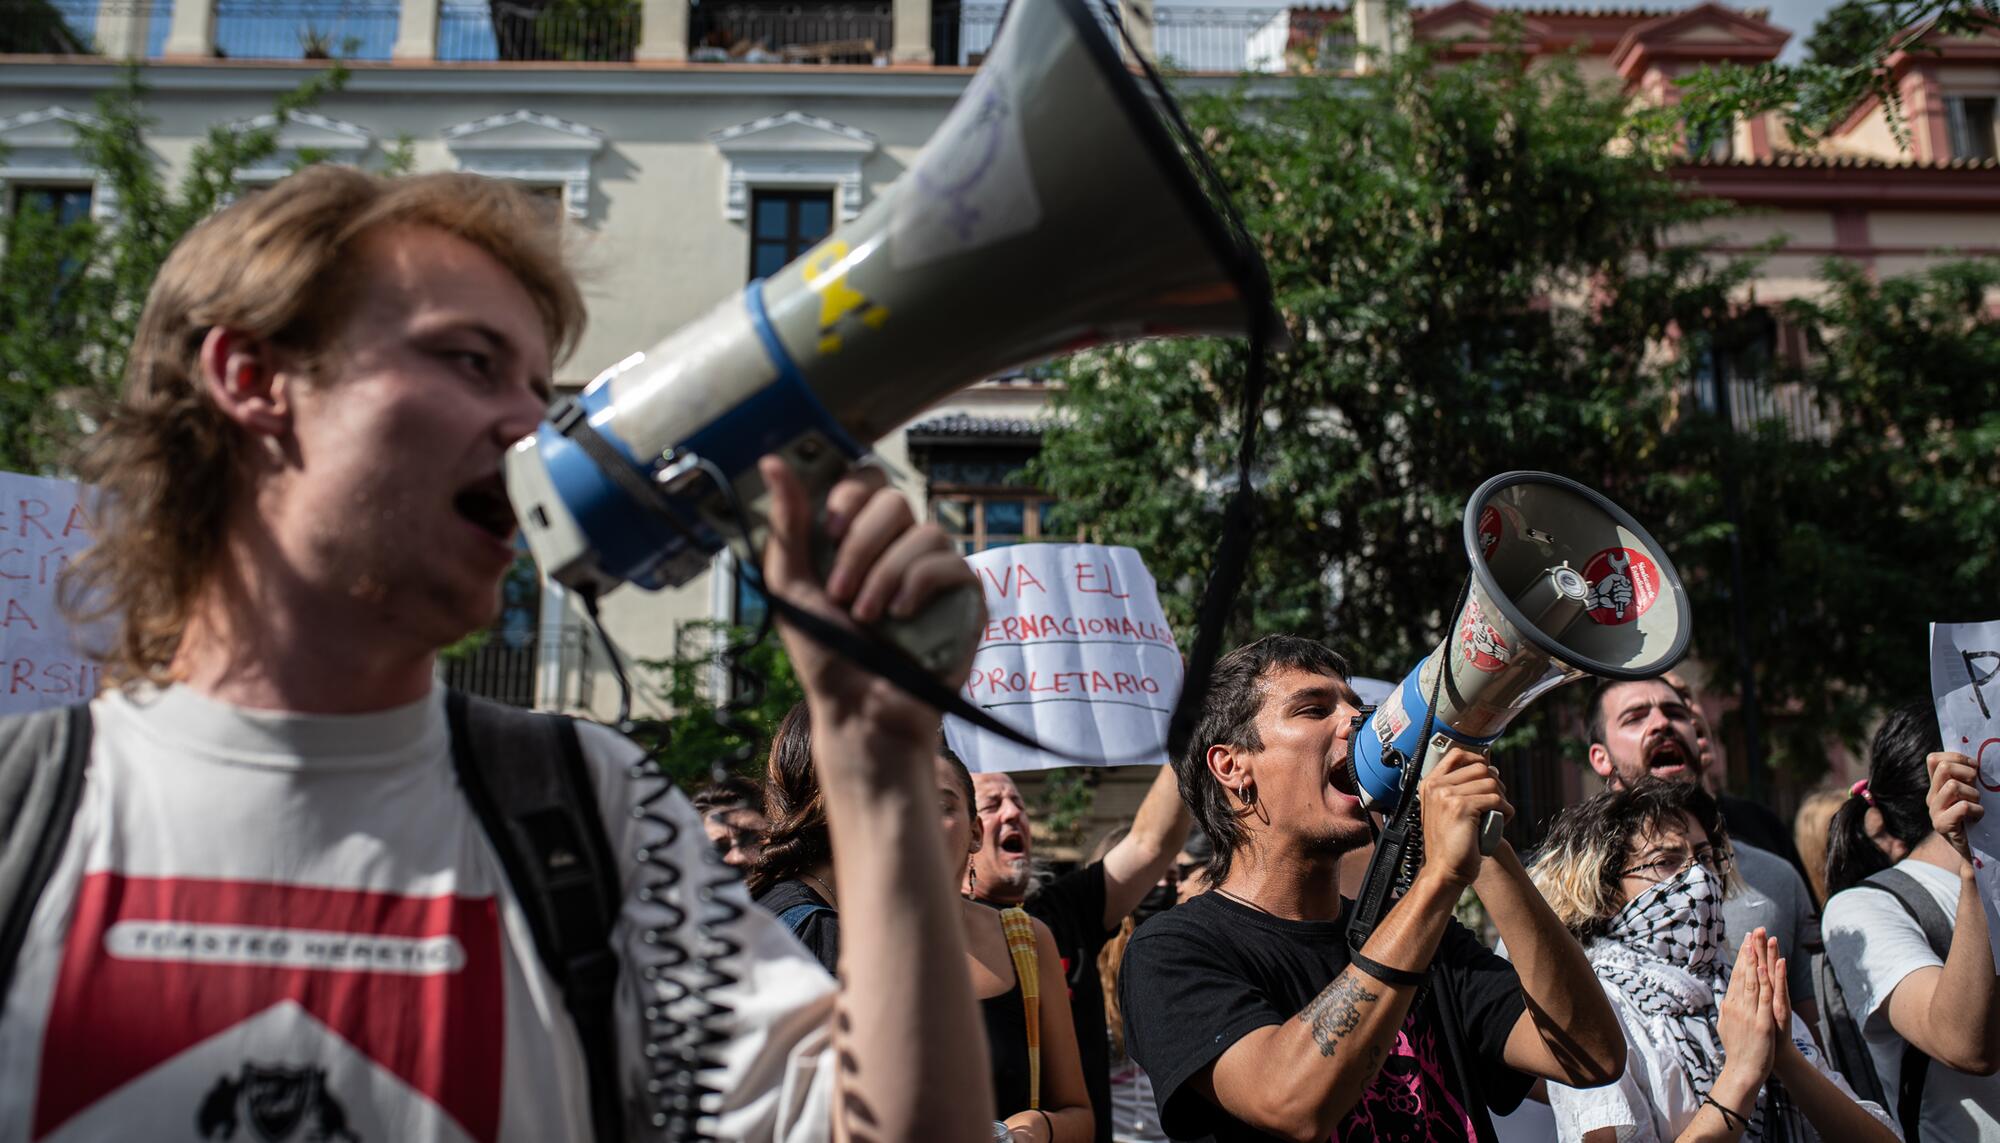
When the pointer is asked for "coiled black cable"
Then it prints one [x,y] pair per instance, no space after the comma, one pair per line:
[682,1018]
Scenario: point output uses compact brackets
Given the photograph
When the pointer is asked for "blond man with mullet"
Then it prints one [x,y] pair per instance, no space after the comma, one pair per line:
[275,913]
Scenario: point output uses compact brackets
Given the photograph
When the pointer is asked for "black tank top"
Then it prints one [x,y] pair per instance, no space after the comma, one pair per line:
[1007,1047]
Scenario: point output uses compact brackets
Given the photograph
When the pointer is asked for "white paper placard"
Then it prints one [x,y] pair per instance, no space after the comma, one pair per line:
[43,529]
[1076,653]
[1965,684]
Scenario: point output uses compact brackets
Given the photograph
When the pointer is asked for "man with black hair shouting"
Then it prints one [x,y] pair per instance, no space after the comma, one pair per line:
[1248,1008]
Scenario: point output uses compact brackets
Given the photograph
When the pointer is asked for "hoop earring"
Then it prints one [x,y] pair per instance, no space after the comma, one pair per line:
[1248,795]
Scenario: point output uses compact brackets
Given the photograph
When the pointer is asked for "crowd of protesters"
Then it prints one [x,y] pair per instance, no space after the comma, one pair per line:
[266,880]
[1238,941]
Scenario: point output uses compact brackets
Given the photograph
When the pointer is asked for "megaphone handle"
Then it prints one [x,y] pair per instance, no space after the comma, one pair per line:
[940,637]
[1492,826]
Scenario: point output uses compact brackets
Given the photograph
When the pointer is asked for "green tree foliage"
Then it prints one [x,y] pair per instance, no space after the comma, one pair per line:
[70,295]
[1845,56]
[1848,34]
[1062,804]
[1474,267]
[566,29]
[696,739]
[1857,538]
[1482,269]
[37,27]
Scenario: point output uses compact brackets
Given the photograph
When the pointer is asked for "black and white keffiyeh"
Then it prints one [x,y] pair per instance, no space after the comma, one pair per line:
[1664,952]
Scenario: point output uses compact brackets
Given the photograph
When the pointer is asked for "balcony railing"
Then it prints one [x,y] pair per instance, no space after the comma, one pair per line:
[962,34]
[790,33]
[1221,39]
[312,30]
[474,31]
[71,27]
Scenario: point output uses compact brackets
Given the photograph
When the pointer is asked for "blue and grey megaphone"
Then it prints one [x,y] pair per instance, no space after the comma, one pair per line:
[1053,209]
[1564,584]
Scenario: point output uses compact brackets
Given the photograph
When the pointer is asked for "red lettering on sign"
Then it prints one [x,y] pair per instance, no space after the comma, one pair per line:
[1088,574]
[15,613]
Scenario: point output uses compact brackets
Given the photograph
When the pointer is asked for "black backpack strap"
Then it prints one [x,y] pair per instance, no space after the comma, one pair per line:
[1923,909]
[42,760]
[525,776]
[1840,1034]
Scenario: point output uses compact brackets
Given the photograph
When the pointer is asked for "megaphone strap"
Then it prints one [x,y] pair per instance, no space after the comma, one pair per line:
[1400,848]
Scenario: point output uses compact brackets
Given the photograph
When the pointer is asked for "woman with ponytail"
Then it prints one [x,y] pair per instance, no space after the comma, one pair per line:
[1930,1016]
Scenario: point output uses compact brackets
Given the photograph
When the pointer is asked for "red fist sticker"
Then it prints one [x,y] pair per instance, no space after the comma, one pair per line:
[1489,531]
[1480,642]
[1623,584]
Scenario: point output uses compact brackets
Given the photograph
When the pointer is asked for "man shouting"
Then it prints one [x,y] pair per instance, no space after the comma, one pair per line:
[1246,1005]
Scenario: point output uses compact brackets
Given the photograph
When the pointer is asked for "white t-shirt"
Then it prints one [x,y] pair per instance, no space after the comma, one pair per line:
[287,927]
[1873,944]
[1774,897]
[1654,1101]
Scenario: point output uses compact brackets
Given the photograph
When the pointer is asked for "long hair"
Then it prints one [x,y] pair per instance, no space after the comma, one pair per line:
[281,268]
[964,776]
[1810,827]
[1578,865]
[797,840]
[1899,785]
[1229,718]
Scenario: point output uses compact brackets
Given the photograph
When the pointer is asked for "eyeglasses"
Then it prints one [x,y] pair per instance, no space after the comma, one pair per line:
[1670,865]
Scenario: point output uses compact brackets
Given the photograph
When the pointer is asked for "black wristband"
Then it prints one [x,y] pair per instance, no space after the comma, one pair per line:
[1394,977]
[1047,1122]
[1734,1120]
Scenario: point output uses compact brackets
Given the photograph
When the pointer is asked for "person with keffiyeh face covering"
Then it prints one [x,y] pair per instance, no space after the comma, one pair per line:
[1714,1054]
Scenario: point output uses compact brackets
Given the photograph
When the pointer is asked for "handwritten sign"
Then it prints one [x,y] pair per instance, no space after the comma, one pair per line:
[1076,653]
[42,530]
[1965,683]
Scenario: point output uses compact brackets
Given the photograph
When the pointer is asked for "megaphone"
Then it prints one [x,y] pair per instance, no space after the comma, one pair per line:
[1564,583]
[1058,206]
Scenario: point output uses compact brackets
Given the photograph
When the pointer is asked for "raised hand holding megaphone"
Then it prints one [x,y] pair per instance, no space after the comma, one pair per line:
[1563,583]
[1054,209]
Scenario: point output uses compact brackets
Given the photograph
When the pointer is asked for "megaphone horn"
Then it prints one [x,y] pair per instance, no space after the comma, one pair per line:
[1055,208]
[1563,583]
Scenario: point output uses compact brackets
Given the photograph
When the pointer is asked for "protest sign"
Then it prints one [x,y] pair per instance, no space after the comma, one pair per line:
[1076,653]
[1965,684]
[42,530]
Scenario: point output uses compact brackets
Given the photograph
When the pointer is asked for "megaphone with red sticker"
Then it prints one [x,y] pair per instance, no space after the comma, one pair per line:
[1564,583]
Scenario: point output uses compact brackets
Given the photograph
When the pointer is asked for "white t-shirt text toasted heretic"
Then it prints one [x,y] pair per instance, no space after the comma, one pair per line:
[286,927]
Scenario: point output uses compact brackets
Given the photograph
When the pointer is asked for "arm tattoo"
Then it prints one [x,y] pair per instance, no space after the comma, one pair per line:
[1337,1011]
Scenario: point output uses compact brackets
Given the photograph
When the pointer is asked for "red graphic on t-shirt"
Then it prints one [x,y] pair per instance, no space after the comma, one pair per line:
[1410,1099]
[414,983]
[1623,584]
